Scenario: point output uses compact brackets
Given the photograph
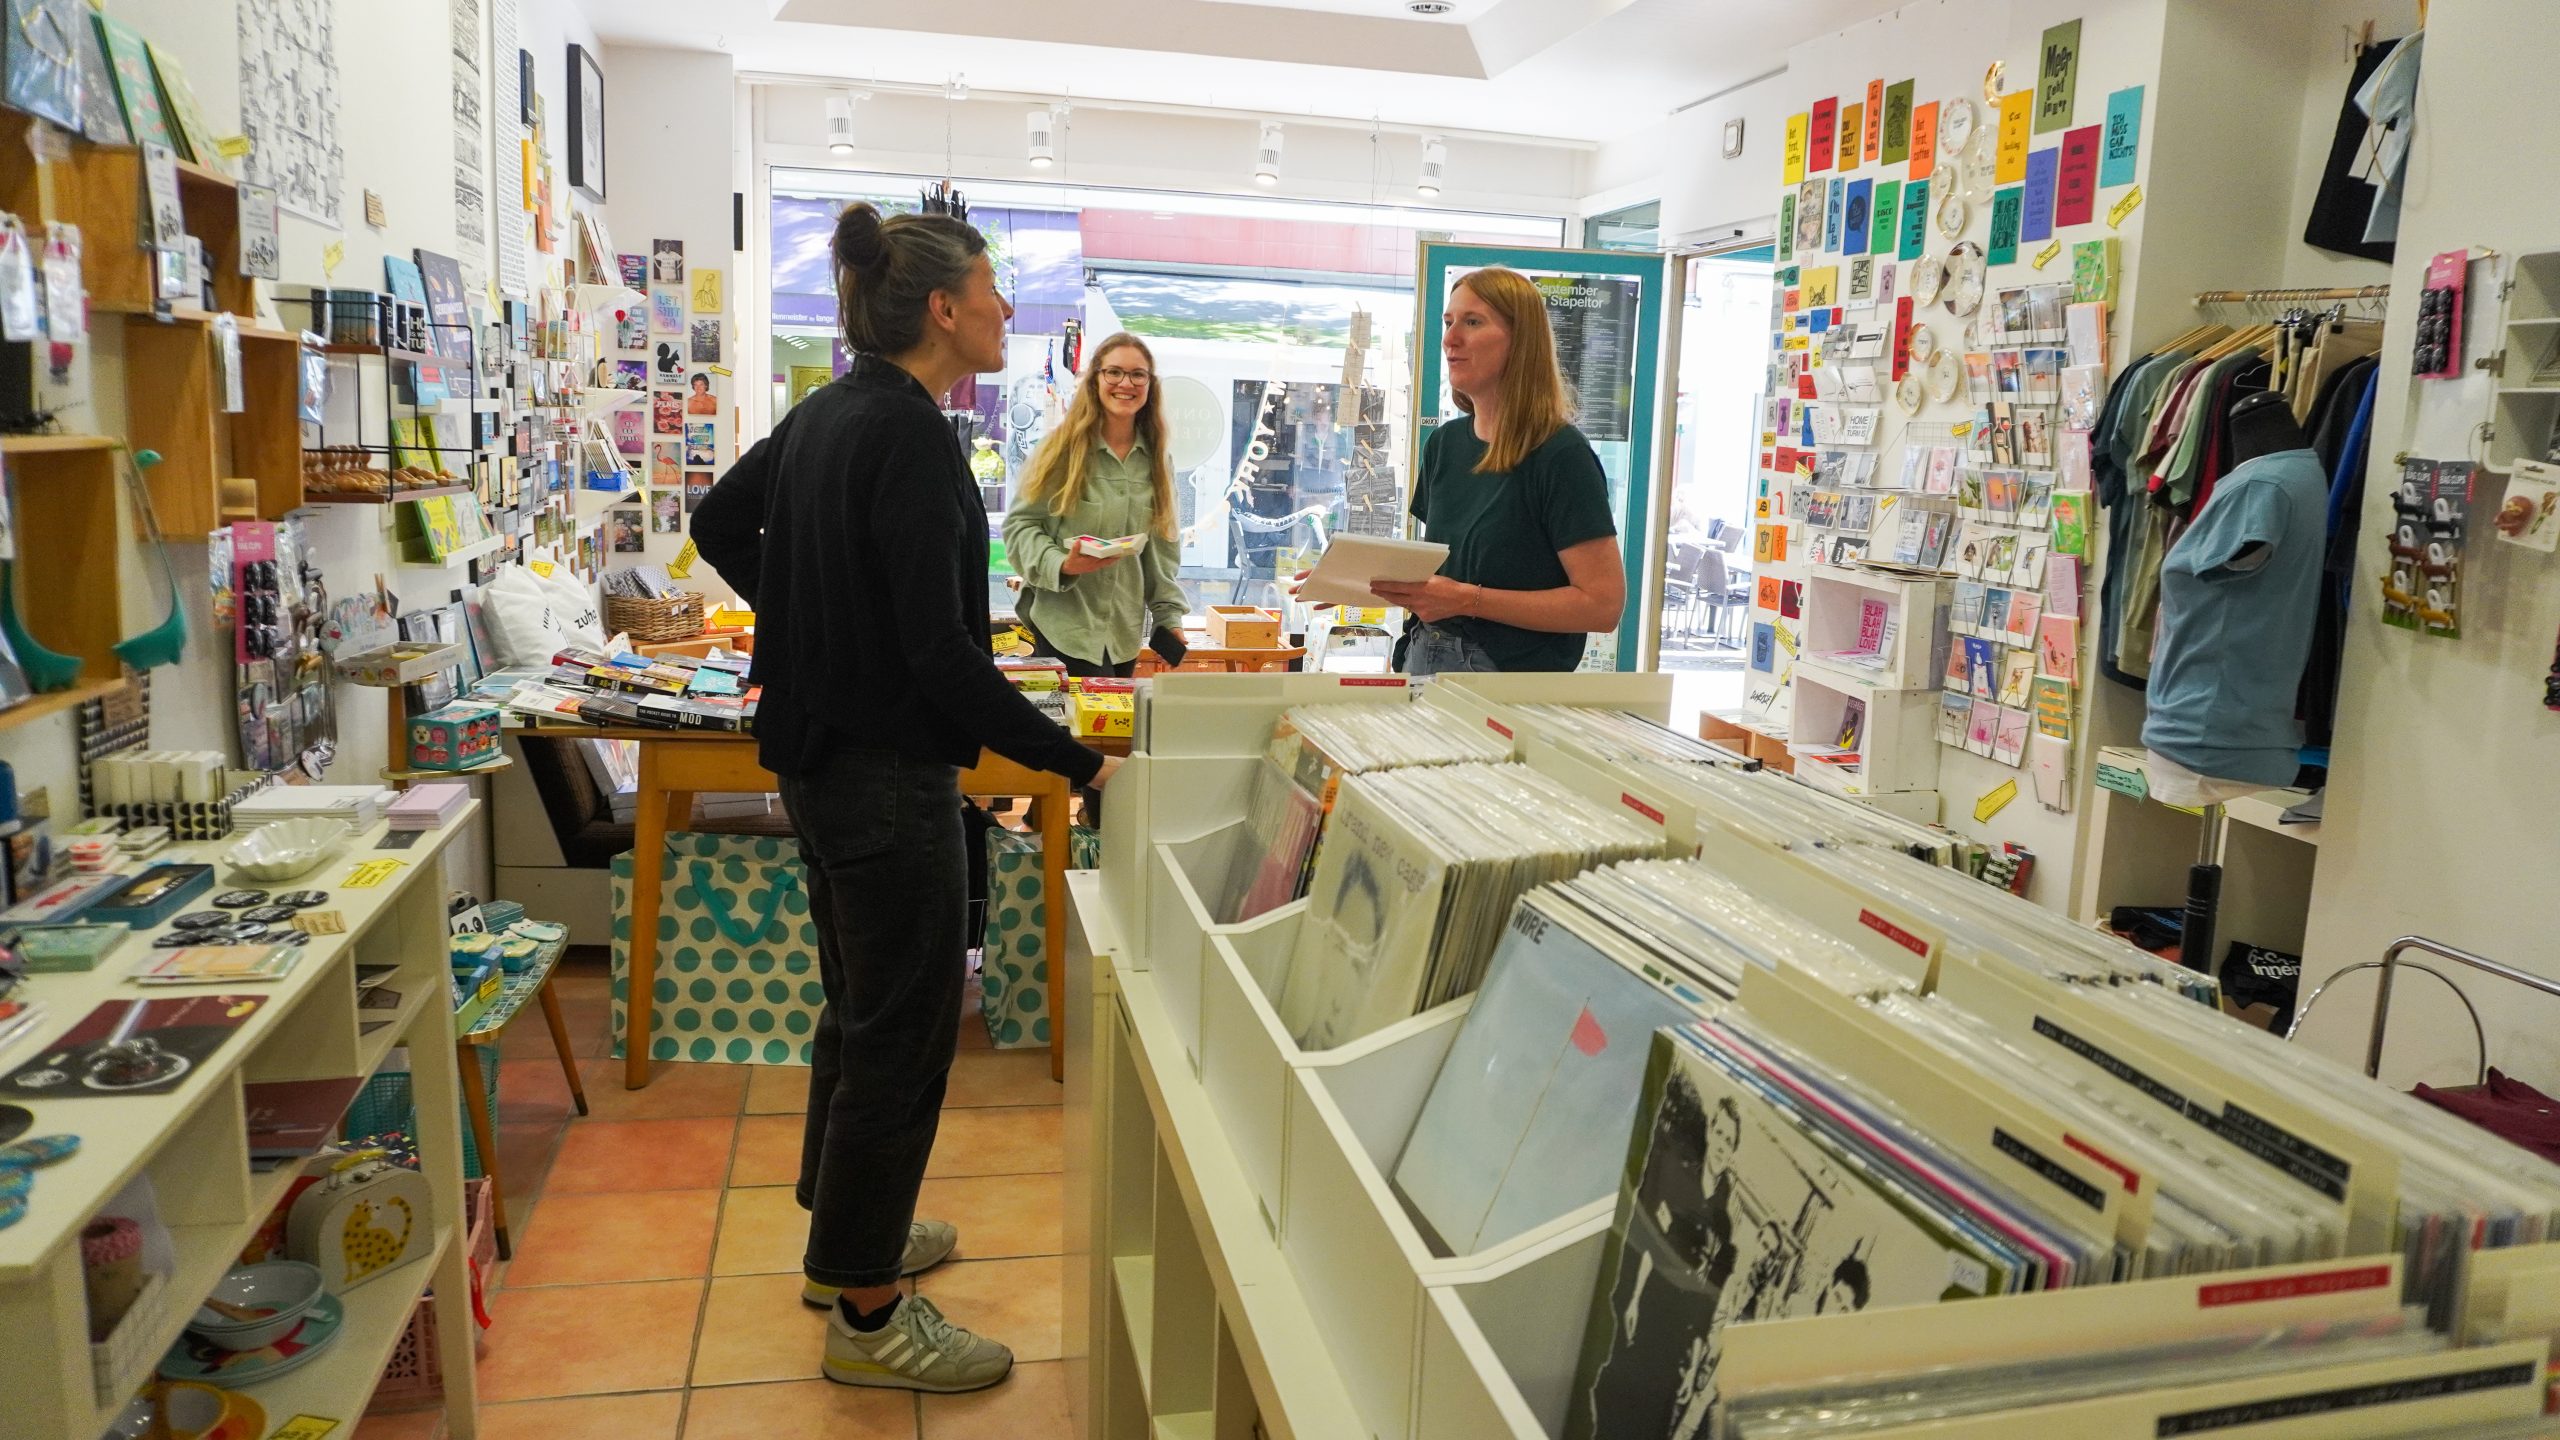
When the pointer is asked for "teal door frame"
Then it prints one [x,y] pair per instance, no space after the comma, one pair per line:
[1635,518]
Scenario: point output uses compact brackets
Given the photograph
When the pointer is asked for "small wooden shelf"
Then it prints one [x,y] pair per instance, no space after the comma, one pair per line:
[199,442]
[70,587]
[56,444]
[55,702]
[358,497]
[396,775]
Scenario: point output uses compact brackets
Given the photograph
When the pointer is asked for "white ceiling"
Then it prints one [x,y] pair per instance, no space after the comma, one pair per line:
[1567,69]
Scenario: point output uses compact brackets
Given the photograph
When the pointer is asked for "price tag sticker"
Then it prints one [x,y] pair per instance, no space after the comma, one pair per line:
[370,874]
[304,1427]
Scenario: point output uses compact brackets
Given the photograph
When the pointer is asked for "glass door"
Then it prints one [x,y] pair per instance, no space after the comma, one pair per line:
[1719,344]
[1606,308]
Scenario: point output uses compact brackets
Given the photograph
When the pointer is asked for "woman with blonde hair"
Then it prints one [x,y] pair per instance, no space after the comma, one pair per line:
[1105,472]
[1516,494]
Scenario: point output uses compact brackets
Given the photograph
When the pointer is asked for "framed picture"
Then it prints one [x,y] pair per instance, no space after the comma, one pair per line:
[586,123]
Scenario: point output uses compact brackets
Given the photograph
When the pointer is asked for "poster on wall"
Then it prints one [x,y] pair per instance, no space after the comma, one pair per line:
[470,145]
[1595,318]
[289,105]
[506,145]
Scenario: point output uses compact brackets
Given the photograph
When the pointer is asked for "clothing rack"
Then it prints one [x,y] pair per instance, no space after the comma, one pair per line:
[2375,296]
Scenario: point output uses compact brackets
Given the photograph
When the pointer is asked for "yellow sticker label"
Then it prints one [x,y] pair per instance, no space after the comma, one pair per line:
[304,1427]
[232,147]
[723,371]
[320,922]
[542,568]
[370,874]
[1960,429]
[1996,800]
[2131,202]
[1796,342]
[1786,637]
[332,255]
[681,567]
[2051,252]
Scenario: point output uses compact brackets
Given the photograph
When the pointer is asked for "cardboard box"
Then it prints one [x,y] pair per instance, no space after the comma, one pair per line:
[1243,627]
[1095,714]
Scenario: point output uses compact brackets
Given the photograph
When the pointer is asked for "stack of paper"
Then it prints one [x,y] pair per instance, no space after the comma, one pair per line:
[1415,879]
[427,807]
[1615,737]
[216,964]
[358,805]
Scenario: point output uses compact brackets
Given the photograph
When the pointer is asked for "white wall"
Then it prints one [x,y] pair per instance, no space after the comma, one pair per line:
[2442,788]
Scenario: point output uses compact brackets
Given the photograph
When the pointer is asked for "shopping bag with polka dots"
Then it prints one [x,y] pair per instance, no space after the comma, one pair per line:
[737,972]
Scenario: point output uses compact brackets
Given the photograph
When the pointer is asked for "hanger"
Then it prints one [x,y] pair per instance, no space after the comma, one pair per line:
[2255,337]
[2199,335]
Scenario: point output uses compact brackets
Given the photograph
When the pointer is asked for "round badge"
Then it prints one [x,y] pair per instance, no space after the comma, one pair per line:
[177,938]
[240,899]
[303,899]
[288,936]
[201,919]
[267,914]
[14,1120]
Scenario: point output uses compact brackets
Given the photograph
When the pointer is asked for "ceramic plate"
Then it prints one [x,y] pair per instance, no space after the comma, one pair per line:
[1963,292]
[196,1358]
[1924,346]
[1952,214]
[1927,274]
[1907,392]
[1944,376]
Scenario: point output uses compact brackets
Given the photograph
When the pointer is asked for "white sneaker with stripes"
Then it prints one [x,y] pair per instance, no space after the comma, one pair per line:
[929,1243]
[917,1350]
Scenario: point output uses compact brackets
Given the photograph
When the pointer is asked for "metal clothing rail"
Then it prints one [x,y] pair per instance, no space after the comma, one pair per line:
[2391,963]
[2374,295]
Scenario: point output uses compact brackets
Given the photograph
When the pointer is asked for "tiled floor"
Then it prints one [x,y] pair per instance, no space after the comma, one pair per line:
[655,1289]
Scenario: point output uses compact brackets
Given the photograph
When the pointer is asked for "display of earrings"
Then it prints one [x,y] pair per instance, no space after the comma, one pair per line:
[2430,509]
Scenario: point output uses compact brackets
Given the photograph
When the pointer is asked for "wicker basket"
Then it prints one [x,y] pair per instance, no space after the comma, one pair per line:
[414,1376]
[647,620]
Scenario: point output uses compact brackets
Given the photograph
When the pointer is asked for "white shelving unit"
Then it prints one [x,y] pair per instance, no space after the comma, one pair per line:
[2140,848]
[1837,601]
[2525,418]
[192,1144]
[1897,741]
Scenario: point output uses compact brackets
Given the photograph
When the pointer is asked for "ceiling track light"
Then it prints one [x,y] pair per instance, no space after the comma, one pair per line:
[1041,126]
[840,124]
[1266,159]
[1435,165]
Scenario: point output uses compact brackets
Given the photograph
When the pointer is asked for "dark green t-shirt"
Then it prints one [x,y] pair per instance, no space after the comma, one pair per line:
[1503,529]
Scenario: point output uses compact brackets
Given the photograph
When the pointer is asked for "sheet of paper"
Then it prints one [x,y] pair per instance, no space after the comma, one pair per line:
[2075,191]
[1342,575]
[2043,169]
[2057,76]
[2123,138]
[2017,114]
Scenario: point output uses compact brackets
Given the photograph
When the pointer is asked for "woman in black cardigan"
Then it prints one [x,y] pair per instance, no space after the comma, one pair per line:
[856,532]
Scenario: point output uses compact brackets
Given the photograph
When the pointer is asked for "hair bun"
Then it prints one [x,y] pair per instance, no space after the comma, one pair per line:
[858,244]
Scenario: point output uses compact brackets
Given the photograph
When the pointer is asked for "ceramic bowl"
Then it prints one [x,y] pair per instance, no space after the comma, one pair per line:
[283,1288]
[286,848]
[192,1411]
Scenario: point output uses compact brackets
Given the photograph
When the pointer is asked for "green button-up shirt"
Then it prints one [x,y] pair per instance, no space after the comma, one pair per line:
[1104,615]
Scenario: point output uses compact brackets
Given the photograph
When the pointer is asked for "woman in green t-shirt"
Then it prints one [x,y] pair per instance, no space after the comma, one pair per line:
[1517,495]
[1105,472]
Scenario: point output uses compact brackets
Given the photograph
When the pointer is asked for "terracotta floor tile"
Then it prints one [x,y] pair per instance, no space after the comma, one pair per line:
[589,1340]
[999,1216]
[999,1140]
[651,1416]
[424,1424]
[1030,1405]
[603,1239]
[778,1090]
[755,1328]
[762,1231]
[814,1408]
[525,1153]
[610,1155]
[1012,1301]
[533,1089]
[1002,1077]
[676,1091]
[588,1016]
[768,1150]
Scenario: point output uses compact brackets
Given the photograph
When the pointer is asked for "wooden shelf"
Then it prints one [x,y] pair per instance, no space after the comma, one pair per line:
[70,587]
[55,702]
[199,442]
[56,444]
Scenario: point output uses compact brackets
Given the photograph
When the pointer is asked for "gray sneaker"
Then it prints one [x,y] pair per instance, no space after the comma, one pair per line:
[916,1350]
[929,1243]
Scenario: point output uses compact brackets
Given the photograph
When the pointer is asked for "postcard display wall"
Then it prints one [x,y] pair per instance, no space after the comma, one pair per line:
[1938,359]
[673,348]
[1907,1088]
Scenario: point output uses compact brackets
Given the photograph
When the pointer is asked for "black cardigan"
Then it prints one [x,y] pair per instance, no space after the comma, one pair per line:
[857,534]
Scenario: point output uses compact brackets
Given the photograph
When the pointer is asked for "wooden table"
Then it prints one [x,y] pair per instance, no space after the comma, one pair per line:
[676,765]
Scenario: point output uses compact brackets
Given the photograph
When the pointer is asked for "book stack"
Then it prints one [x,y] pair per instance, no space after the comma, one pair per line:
[671,692]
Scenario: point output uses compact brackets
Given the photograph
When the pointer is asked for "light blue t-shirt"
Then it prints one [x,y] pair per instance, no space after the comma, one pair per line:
[2234,637]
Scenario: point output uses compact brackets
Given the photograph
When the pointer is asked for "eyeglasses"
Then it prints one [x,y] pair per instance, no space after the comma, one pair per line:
[1114,375]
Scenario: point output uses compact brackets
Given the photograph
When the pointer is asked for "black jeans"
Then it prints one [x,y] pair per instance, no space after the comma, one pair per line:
[881,835]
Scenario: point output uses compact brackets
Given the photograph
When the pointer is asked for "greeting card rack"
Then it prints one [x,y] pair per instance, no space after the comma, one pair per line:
[346,412]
